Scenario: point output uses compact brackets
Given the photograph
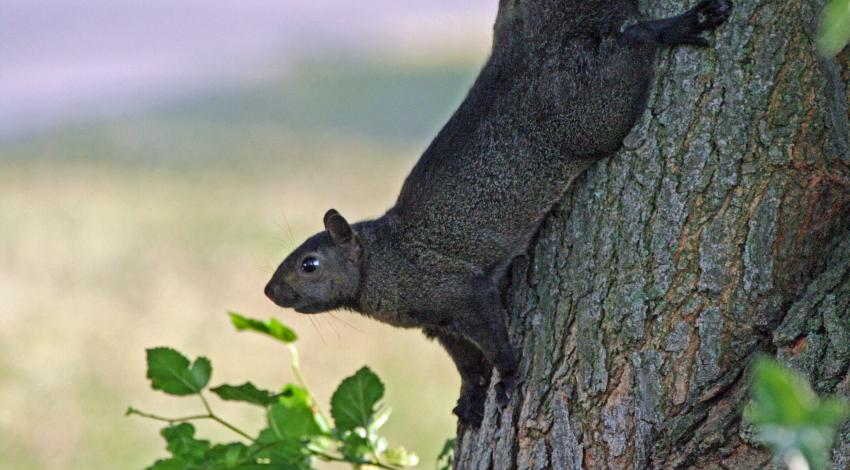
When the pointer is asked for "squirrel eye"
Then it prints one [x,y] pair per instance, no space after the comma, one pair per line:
[309,264]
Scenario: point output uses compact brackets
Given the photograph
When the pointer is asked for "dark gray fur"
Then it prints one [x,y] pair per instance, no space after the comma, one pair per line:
[478,194]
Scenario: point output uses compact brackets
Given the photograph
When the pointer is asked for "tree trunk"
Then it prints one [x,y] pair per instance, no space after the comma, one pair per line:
[720,230]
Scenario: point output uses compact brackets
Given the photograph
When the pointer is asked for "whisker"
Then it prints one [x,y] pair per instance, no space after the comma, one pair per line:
[346,323]
[330,322]
[318,330]
[283,237]
[281,241]
[288,228]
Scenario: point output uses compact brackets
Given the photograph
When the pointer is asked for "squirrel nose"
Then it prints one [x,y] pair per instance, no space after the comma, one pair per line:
[281,293]
[270,290]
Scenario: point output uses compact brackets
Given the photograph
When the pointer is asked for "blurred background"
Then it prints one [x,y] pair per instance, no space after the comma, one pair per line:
[157,161]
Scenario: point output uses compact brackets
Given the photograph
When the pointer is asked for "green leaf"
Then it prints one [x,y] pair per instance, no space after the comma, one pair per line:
[353,403]
[225,456]
[835,27]
[380,419]
[446,458]
[789,416]
[288,453]
[293,420]
[273,327]
[354,448]
[246,392]
[170,464]
[182,444]
[170,372]
[292,417]
[293,395]
[232,453]
[400,457]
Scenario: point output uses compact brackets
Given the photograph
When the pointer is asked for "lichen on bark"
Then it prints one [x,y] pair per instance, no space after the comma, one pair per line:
[721,229]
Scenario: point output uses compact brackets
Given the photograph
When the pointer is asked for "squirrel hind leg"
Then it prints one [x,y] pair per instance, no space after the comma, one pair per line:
[686,28]
[475,372]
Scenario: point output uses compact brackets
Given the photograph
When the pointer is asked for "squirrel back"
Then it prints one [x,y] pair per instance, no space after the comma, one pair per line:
[539,114]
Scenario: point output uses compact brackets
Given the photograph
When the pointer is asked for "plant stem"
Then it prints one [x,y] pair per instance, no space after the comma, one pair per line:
[232,427]
[253,455]
[224,423]
[315,453]
[133,411]
[206,403]
[296,370]
[332,458]
[209,415]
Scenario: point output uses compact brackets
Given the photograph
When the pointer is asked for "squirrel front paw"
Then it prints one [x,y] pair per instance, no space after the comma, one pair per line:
[707,15]
[470,409]
[504,389]
[712,13]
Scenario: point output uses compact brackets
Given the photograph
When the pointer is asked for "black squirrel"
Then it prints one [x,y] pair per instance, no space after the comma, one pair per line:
[560,91]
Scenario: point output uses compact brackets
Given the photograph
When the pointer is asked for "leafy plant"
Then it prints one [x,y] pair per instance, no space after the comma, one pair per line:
[790,418]
[297,432]
[447,455]
[835,27]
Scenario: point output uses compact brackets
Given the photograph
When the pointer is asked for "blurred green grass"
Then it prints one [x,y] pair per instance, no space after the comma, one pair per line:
[386,103]
[142,231]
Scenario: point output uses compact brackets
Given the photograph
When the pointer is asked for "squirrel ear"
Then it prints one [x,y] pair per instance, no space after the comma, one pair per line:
[337,227]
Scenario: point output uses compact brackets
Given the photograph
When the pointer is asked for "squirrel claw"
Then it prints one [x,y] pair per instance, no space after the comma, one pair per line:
[707,15]
[712,13]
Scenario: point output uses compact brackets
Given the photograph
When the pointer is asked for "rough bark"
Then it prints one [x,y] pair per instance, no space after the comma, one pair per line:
[720,230]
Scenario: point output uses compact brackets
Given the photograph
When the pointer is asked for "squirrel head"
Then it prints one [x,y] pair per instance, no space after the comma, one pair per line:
[323,273]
